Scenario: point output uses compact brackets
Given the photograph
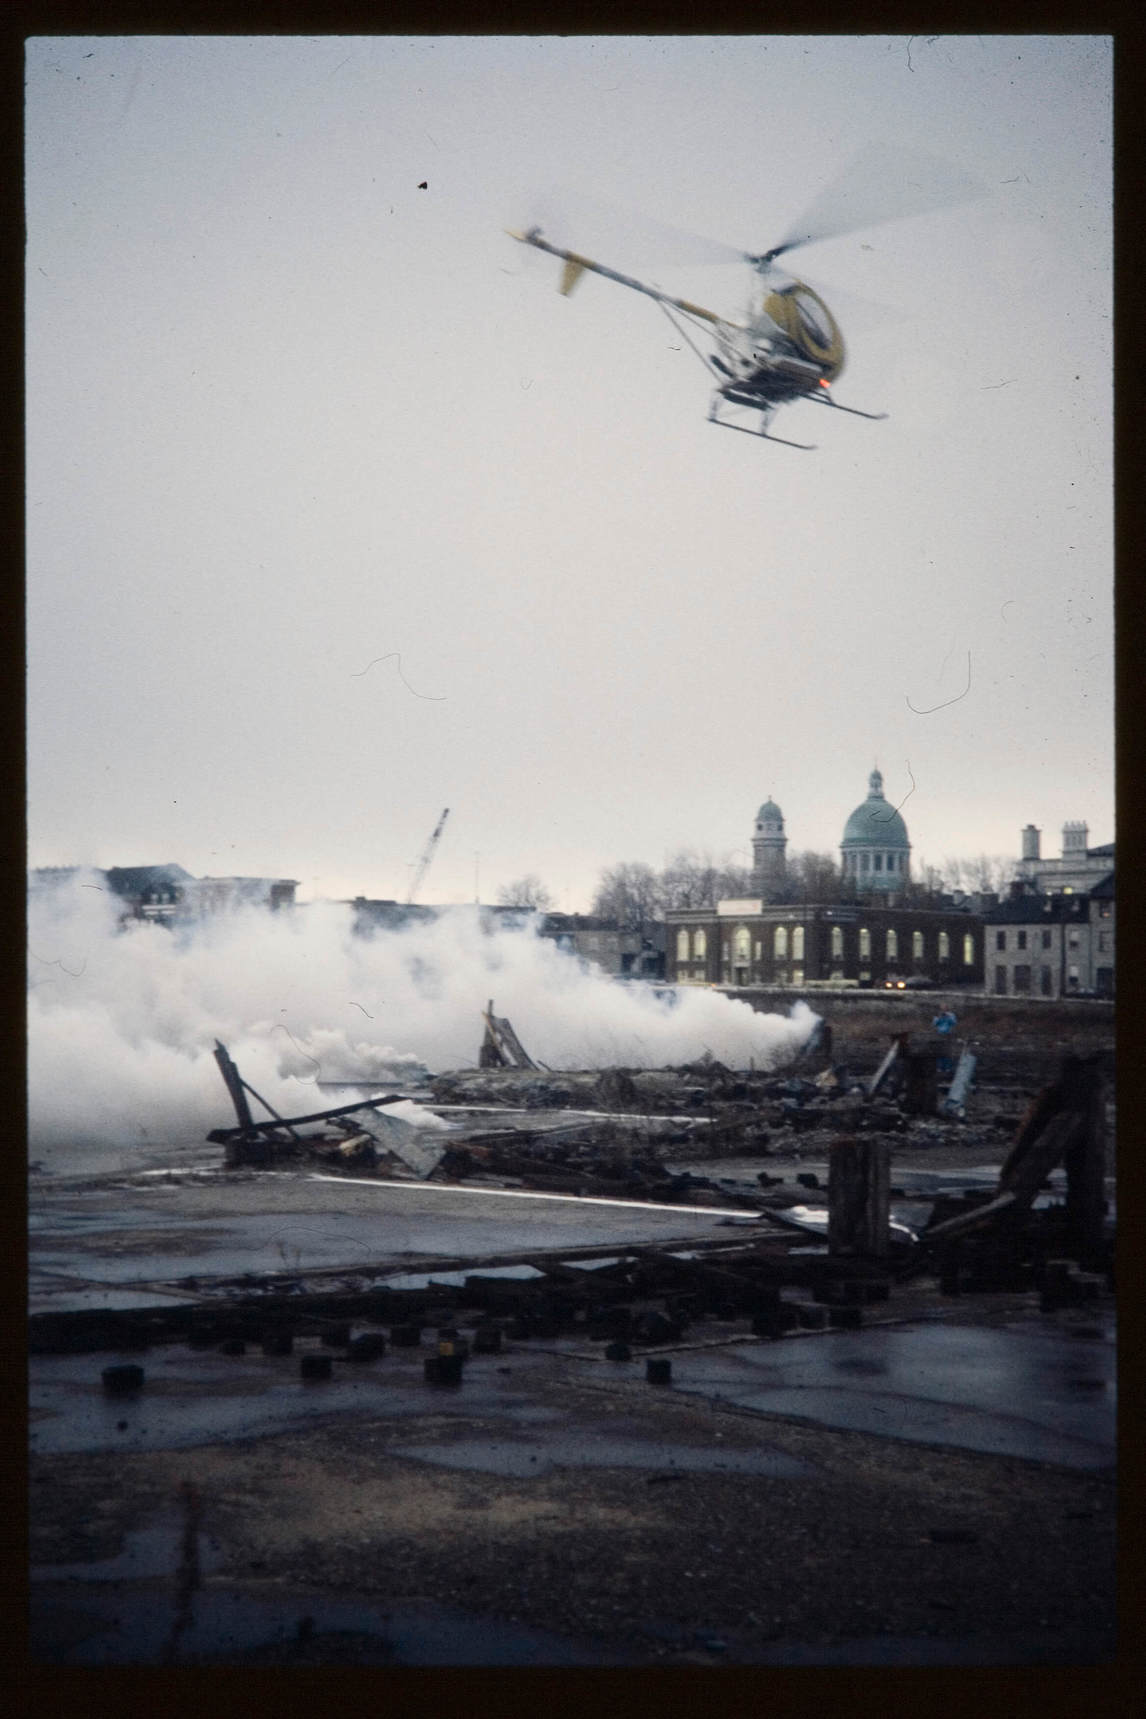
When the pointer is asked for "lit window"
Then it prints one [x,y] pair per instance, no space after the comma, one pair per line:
[865,943]
[741,944]
[892,944]
[968,949]
[797,975]
[682,945]
[798,943]
[837,940]
[780,942]
[944,946]
[917,945]
[699,945]
[759,950]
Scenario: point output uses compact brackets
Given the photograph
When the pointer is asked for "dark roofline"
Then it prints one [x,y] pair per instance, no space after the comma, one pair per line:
[1037,910]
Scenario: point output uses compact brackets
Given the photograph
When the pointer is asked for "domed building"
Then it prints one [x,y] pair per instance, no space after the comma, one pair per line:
[788,939]
[769,844]
[875,853]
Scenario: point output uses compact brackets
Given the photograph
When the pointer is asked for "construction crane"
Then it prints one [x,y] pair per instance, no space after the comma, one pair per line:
[423,865]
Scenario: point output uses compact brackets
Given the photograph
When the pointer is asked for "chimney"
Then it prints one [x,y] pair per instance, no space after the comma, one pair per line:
[1031,843]
[1073,839]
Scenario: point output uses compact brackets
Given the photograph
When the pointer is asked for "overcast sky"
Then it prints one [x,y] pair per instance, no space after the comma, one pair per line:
[338,514]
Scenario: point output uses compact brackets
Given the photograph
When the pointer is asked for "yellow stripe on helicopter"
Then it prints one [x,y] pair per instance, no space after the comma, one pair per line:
[809,324]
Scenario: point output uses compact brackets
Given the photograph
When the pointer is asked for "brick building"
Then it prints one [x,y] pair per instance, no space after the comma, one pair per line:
[746,943]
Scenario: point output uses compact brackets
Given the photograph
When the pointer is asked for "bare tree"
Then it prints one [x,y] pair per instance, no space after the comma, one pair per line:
[689,880]
[629,893]
[527,892]
[982,873]
[697,880]
[733,881]
[924,887]
[814,877]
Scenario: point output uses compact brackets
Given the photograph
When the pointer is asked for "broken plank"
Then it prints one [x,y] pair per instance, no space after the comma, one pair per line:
[895,1050]
[966,1221]
[1025,1176]
[224,1134]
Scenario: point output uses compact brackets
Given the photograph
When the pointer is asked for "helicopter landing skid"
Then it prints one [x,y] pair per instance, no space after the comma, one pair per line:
[762,432]
[826,400]
[767,413]
[723,424]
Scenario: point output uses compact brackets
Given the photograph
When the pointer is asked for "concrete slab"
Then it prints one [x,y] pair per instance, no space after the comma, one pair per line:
[150,1234]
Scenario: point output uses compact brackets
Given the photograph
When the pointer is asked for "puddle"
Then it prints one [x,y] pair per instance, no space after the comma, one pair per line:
[455,1279]
[147,1553]
[71,1299]
[1014,1391]
[125,1625]
[518,1458]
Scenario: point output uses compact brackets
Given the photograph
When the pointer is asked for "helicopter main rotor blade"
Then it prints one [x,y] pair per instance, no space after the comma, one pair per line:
[576,219]
[880,184]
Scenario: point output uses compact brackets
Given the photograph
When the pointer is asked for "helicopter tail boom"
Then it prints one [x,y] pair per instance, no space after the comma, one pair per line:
[575,267]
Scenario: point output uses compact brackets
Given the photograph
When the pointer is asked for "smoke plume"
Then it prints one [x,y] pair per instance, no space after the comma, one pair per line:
[123,1019]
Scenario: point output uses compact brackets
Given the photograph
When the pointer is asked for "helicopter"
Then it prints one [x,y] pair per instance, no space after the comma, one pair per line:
[789,347]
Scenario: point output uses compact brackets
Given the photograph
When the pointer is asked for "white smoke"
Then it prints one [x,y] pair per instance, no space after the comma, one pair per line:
[123,1020]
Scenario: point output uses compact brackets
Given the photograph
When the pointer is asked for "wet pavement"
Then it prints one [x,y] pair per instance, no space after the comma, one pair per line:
[1029,1387]
[988,1375]
[1026,1389]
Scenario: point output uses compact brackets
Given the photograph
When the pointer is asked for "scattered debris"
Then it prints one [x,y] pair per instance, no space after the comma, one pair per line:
[501,1047]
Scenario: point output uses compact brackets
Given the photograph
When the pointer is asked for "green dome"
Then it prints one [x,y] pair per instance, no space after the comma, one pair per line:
[875,823]
[769,812]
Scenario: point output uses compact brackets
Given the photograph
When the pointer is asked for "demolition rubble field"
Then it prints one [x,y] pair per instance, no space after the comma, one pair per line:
[334,1409]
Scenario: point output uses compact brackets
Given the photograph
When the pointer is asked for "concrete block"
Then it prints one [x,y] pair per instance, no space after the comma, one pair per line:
[120,1380]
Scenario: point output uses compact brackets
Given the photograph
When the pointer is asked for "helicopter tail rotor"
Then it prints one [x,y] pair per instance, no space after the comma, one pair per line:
[570,275]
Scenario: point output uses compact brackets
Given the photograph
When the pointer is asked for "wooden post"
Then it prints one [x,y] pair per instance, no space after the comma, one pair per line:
[1085,1159]
[859,1197]
[921,1088]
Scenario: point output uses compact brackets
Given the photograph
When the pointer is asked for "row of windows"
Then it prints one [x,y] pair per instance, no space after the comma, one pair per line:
[855,864]
[1045,939]
[787,940]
